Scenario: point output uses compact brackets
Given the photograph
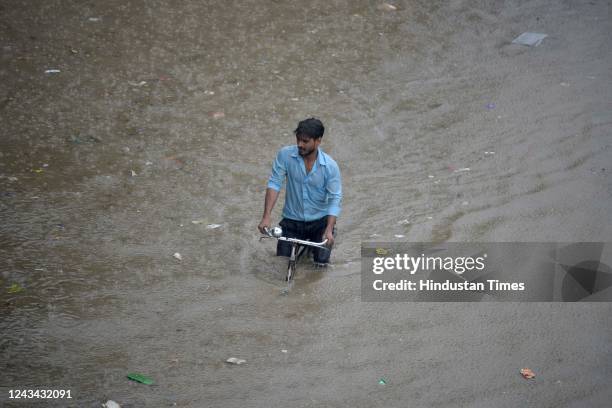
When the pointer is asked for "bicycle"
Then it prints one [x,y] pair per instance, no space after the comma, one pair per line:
[298,247]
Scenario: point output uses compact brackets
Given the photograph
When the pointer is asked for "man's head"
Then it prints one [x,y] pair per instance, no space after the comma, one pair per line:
[308,134]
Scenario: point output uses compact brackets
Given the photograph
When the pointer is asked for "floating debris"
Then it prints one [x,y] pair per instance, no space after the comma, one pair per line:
[15,288]
[200,221]
[236,361]
[382,381]
[84,139]
[111,404]
[94,19]
[527,373]
[138,84]
[133,173]
[140,378]
[387,7]
[529,39]
[178,256]
[399,236]
[52,71]
[489,153]
[218,115]
[404,222]
[213,226]
[461,170]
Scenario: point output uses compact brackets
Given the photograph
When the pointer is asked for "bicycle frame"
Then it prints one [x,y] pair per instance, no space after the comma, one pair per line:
[296,245]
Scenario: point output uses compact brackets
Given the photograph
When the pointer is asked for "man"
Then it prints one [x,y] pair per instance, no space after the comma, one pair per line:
[314,191]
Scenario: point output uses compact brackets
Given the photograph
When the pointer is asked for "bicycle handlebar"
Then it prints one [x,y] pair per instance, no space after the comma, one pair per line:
[297,241]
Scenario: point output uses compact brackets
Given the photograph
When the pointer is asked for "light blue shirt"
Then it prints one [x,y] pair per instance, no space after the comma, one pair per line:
[310,196]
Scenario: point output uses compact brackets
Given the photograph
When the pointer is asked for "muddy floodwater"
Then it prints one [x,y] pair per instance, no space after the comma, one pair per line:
[134,130]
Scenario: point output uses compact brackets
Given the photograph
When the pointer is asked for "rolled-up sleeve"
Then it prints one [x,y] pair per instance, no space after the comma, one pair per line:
[334,191]
[279,172]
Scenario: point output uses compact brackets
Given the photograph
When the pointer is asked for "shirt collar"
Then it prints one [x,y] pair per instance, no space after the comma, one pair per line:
[320,156]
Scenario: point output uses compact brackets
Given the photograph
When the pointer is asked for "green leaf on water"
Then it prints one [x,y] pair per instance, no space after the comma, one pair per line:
[15,288]
[140,378]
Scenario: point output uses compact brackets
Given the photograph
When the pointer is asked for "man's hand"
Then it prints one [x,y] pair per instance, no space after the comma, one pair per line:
[328,234]
[265,223]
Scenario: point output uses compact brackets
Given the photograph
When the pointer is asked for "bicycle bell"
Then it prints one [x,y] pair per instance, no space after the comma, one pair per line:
[276,232]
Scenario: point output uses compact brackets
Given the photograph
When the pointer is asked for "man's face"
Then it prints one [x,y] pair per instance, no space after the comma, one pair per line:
[306,145]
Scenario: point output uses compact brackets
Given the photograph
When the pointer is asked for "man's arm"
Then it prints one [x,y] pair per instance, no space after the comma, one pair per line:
[275,183]
[334,194]
[329,230]
[270,201]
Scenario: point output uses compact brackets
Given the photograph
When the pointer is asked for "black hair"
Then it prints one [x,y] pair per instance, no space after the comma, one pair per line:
[312,128]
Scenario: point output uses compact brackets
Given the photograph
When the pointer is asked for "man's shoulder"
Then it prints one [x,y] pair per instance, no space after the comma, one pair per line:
[287,151]
[329,161]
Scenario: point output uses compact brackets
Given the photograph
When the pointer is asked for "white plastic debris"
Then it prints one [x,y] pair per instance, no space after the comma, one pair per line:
[200,221]
[52,71]
[461,170]
[283,351]
[399,236]
[134,173]
[148,163]
[94,18]
[138,84]
[430,176]
[529,39]
[178,256]
[111,404]
[404,222]
[489,153]
[13,179]
[213,226]
[387,7]
[234,360]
